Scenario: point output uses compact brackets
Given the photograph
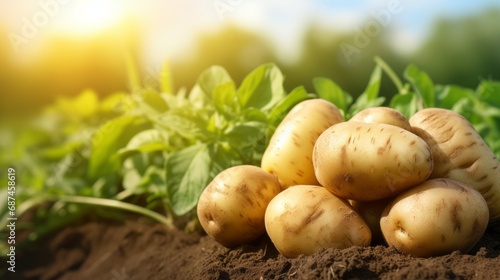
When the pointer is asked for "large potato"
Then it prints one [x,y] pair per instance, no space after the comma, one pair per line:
[460,153]
[289,154]
[434,218]
[304,218]
[382,115]
[231,208]
[364,161]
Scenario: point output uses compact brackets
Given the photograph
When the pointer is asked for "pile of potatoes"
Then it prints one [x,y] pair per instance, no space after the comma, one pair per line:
[427,186]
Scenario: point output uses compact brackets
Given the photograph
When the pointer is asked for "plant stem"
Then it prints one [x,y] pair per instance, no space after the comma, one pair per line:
[94,201]
[392,75]
[116,204]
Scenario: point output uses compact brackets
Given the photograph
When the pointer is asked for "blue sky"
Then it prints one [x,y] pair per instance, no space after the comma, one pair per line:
[418,15]
[409,26]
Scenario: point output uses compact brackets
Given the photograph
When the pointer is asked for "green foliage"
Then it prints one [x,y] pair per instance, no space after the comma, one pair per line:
[108,139]
[329,90]
[149,147]
[153,151]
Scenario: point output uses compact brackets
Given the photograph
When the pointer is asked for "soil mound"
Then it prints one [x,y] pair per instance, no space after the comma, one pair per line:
[137,249]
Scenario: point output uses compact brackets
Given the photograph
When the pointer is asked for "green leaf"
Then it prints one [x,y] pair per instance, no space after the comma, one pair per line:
[85,104]
[252,114]
[133,169]
[212,78]
[140,176]
[369,98]
[224,98]
[373,87]
[151,99]
[187,126]
[187,175]
[330,91]
[108,139]
[405,103]
[451,95]
[57,152]
[262,88]
[116,103]
[223,156]
[246,134]
[146,141]
[279,111]
[422,85]
[197,98]
[489,92]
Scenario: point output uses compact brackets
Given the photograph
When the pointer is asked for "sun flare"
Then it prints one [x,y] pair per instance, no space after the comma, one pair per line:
[91,16]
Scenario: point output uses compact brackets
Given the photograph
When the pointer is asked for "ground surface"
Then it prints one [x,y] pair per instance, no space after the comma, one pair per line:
[137,249]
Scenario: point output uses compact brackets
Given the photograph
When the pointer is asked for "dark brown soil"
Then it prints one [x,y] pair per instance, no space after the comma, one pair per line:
[138,249]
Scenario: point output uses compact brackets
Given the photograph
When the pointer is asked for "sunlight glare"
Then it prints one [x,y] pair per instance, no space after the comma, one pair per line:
[91,16]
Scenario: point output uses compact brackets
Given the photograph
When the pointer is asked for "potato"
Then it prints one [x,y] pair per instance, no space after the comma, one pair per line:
[363,161]
[460,153]
[304,218]
[371,211]
[289,154]
[435,218]
[231,208]
[382,115]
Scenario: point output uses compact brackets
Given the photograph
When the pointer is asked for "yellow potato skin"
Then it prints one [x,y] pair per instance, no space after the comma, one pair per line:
[289,153]
[435,218]
[364,161]
[460,153]
[382,115]
[231,208]
[371,211]
[304,218]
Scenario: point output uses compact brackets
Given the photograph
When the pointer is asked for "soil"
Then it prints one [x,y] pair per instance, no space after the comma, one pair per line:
[138,249]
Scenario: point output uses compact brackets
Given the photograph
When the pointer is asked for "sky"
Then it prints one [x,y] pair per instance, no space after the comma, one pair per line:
[171,26]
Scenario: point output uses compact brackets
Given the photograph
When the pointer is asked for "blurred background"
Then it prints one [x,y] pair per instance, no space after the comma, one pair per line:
[57,48]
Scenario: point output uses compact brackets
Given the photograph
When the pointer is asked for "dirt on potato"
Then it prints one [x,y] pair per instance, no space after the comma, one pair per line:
[138,249]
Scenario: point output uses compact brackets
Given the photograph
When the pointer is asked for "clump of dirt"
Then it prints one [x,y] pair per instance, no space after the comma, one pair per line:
[137,249]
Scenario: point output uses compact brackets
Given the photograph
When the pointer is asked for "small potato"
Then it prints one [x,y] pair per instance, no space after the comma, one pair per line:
[289,154]
[460,153]
[231,208]
[364,161]
[371,211]
[382,115]
[435,218]
[304,218]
